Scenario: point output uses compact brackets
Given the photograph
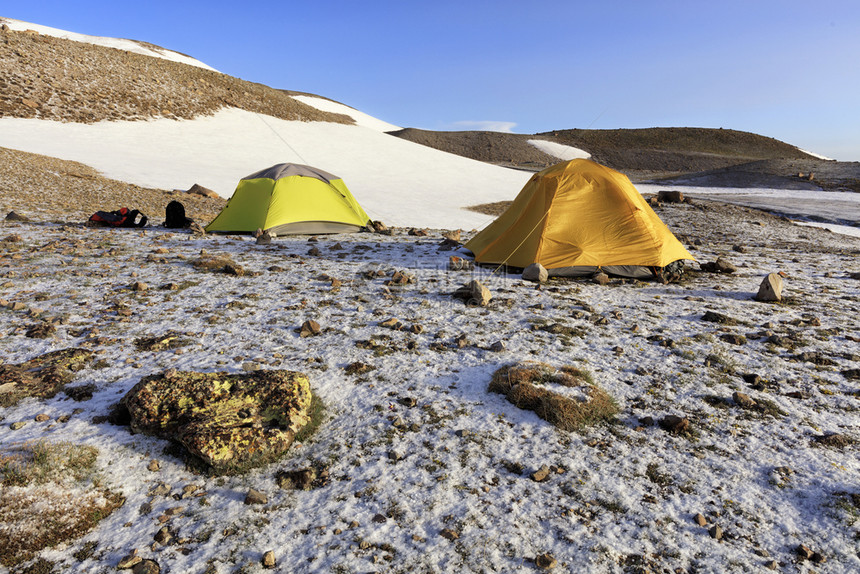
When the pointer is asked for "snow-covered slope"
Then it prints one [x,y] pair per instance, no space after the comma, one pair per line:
[396,181]
[360,118]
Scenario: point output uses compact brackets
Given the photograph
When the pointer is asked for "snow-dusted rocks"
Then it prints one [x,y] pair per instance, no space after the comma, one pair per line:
[608,498]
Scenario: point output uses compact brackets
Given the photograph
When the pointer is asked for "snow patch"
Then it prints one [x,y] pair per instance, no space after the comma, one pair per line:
[360,118]
[399,182]
[817,155]
[561,151]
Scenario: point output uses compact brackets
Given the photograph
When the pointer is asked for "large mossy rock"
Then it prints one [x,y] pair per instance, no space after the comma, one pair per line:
[230,422]
[41,377]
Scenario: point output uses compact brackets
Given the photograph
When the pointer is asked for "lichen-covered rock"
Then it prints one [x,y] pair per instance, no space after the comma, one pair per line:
[229,421]
[42,377]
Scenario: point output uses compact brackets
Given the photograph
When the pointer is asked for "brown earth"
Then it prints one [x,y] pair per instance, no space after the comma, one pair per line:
[55,79]
[511,150]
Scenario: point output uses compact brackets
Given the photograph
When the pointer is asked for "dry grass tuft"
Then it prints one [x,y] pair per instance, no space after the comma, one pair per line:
[519,384]
[41,462]
[32,519]
[210,262]
[47,496]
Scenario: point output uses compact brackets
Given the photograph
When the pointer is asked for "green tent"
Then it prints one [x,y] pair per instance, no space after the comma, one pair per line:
[290,199]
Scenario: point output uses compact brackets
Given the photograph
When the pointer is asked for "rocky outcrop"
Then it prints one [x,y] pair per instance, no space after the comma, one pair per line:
[229,422]
[198,189]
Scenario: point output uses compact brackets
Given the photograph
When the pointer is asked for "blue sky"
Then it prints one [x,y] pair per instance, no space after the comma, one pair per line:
[784,69]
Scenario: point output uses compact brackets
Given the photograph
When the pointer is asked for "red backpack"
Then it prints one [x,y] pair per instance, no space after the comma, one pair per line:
[122,217]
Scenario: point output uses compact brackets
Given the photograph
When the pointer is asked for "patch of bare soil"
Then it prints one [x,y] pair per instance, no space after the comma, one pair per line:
[43,188]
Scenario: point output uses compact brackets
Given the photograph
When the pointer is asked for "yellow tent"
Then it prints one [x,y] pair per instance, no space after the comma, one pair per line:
[290,199]
[574,218]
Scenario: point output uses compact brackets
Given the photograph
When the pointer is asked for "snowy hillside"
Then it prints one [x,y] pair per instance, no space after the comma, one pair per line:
[398,182]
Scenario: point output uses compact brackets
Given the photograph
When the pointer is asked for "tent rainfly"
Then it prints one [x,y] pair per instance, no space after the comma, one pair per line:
[575,218]
[290,199]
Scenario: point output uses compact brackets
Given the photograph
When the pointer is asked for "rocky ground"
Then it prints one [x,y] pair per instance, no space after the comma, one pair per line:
[54,79]
[734,446]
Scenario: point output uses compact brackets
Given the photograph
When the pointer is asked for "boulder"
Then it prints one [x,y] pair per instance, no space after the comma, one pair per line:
[665,196]
[545,561]
[535,272]
[310,328]
[743,400]
[12,216]
[448,244]
[600,278]
[269,561]
[675,424]
[719,266]
[452,235]
[770,288]
[228,421]
[473,293]
[301,479]
[198,189]
[459,264]
[378,227]
[541,474]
